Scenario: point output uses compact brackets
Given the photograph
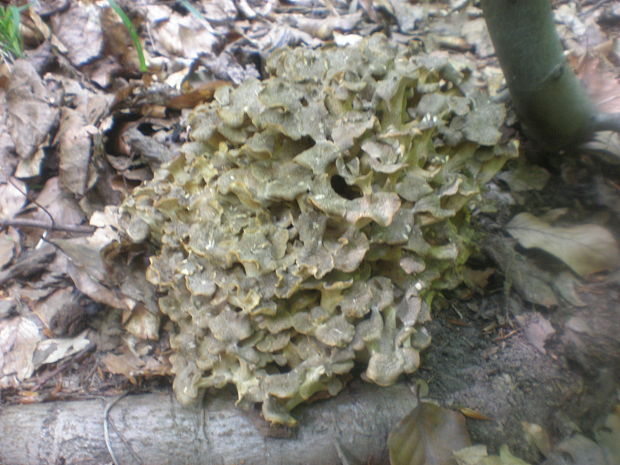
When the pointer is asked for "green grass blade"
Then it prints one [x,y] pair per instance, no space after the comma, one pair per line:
[10,38]
[132,32]
[16,38]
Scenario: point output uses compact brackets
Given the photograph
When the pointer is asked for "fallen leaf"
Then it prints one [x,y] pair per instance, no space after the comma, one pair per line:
[19,337]
[126,364]
[478,455]
[53,350]
[608,437]
[32,110]
[58,204]
[529,280]
[118,40]
[177,35]
[599,78]
[579,450]
[537,330]
[12,198]
[219,10]
[8,244]
[538,436]
[525,177]
[79,29]
[586,248]
[565,284]
[200,94]
[507,458]
[474,414]
[473,455]
[74,151]
[61,312]
[428,436]
[142,323]
[8,160]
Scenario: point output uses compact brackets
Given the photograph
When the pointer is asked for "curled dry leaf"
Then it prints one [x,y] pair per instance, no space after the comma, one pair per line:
[586,248]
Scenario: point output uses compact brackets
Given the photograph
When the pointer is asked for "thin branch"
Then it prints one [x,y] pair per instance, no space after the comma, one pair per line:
[106,431]
[35,202]
[71,228]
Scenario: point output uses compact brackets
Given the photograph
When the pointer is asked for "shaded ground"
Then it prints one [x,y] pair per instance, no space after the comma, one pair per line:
[503,375]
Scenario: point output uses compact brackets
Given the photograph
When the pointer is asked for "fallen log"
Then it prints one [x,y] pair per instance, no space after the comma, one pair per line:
[154,429]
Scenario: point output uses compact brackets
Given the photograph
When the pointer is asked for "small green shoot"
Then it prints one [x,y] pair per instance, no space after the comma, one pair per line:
[132,32]
[10,38]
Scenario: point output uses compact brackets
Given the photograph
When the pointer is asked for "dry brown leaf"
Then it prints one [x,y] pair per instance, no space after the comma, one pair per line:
[586,248]
[178,35]
[538,436]
[12,198]
[142,323]
[60,312]
[474,414]
[19,337]
[9,242]
[600,79]
[7,146]
[203,93]
[579,450]
[219,10]
[537,330]
[118,41]
[32,111]
[79,30]
[53,350]
[126,364]
[74,151]
[58,204]
[428,436]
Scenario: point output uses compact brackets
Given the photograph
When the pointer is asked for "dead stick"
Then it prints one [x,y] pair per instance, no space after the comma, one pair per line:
[72,228]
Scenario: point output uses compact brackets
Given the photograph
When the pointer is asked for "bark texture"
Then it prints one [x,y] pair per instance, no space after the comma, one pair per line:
[155,429]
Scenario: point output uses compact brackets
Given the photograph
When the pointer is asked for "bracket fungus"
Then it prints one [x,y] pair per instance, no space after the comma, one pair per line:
[309,221]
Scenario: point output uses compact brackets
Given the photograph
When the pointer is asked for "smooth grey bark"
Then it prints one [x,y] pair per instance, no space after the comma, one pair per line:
[550,101]
[155,429]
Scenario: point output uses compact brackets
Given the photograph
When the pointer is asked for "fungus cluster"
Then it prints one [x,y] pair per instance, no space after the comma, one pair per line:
[311,218]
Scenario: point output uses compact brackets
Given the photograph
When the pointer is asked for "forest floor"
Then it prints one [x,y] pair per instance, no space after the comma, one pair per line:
[83,123]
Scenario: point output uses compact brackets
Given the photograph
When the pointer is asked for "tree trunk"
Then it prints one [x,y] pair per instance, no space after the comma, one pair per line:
[550,101]
[154,429]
